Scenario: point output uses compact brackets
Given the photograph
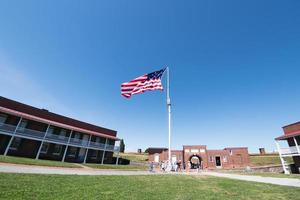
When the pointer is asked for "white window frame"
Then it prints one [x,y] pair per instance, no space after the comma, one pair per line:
[155,157]
[44,151]
[71,154]
[60,149]
[12,147]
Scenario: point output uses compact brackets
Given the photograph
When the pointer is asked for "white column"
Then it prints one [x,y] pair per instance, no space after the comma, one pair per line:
[12,137]
[86,151]
[104,151]
[64,156]
[118,154]
[281,158]
[40,148]
[298,149]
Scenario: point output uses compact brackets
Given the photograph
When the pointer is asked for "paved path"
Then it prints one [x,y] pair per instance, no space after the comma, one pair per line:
[14,168]
[272,180]
[31,169]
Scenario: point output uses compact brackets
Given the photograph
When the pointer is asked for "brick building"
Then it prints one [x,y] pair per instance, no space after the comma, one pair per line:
[200,156]
[31,132]
[288,145]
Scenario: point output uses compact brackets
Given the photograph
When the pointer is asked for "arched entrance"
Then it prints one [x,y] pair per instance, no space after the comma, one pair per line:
[195,161]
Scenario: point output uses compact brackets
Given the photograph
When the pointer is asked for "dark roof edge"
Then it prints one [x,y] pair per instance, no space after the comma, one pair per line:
[291,124]
[57,117]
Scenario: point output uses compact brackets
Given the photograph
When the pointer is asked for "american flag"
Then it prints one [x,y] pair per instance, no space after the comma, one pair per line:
[151,81]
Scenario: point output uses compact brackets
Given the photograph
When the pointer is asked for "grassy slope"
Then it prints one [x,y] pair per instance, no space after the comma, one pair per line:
[135,157]
[25,186]
[267,160]
[29,161]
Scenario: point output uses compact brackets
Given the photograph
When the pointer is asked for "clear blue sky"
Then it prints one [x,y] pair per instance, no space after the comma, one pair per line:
[235,66]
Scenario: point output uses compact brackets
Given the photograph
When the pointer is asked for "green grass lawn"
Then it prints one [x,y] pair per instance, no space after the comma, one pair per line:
[26,186]
[29,161]
[119,167]
[267,160]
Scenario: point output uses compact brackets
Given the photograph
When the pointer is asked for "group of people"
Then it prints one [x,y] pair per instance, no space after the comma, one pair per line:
[176,166]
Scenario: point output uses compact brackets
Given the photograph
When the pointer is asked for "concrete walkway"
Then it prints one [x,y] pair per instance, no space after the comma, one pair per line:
[31,169]
[16,168]
[272,180]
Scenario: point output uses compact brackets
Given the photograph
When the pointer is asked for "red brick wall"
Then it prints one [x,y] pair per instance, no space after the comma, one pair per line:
[230,157]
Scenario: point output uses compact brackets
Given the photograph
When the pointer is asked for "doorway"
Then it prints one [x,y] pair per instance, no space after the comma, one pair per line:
[195,162]
[218,161]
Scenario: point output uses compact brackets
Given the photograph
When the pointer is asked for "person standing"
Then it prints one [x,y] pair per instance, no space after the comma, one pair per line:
[151,166]
[188,166]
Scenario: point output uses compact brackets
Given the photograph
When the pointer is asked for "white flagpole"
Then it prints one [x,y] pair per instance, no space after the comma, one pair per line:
[169,115]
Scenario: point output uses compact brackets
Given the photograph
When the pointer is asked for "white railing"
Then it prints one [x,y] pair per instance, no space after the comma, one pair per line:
[79,142]
[59,138]
[7,128]
[110,147]
[289,150]
[30,133]
[97,145]
[117,148]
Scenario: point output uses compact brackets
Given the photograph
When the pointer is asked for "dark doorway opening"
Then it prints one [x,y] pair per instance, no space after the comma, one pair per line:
[218,161]
[195,162]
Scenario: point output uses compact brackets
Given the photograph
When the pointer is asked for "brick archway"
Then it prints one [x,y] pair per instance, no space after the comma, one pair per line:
[195,161]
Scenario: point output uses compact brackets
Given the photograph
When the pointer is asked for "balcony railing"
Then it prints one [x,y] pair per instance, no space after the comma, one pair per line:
[110,147]
[31,133]
[289,150]
[116,148]
[57,138]
[79,142]
[7,128]
[97,145]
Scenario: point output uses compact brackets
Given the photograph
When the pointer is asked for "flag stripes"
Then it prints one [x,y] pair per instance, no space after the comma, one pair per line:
[147,82]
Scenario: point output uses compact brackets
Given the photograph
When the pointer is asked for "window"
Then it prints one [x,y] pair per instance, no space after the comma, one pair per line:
[23,125]
[57,149]
[72,151]
[45,148]
[97,140]
[62,134]
[2,118]
[231,152]
[224,158]
[94,154]
[15,143]
[194,150]
[211,159]
[156,157]
[50,130]
[77,137]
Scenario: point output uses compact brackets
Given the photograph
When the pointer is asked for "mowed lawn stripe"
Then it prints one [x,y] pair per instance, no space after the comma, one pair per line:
[28,186]
[30,161]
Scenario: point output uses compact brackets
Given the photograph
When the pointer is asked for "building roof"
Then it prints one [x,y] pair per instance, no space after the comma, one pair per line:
[290,131]
[20,109]
[286,136]
[291,124]
[151,150]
